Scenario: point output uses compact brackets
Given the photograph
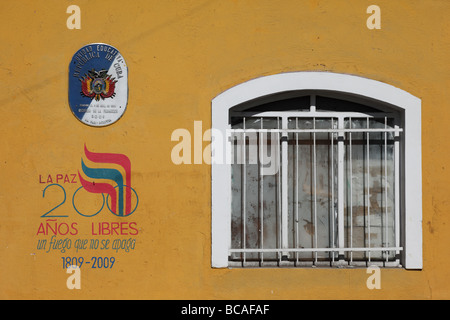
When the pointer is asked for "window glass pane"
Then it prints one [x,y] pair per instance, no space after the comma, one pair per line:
[381,191]
[312,186]
[323,188]
[253,123]
[356,182]
[271,123]
[370,187]
[255,193]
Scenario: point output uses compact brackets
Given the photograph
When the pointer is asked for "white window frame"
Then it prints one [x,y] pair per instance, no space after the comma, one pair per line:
[409,105]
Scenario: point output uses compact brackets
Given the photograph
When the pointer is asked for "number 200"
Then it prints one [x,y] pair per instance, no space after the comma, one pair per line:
[46,215]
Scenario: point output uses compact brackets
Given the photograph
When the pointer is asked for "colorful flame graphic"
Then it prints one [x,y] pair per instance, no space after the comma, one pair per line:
[109,174]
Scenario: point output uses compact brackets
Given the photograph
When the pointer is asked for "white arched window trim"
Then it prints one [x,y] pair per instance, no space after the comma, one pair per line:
[339,83]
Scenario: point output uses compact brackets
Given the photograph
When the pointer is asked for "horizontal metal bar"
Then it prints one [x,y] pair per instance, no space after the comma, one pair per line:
[317,249]
[307,264]
[311,114]
[316,130]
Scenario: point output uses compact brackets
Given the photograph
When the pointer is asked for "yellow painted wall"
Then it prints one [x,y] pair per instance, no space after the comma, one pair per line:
[180,55]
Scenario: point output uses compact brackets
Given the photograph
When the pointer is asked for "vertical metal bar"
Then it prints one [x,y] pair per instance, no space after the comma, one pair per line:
[368,187]
[244,189]
[351,189]
[284,187]
[385,191]
[312,109]
[315,189]
[278,193]
[295,166]
[341,185]
[261,193]
[333,220]
[397,189]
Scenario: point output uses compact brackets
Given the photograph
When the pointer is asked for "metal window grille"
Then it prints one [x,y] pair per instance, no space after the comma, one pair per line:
[333,198]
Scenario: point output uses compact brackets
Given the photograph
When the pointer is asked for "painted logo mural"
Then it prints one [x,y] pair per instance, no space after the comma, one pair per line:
[100,185]
[120,205]
[98,85]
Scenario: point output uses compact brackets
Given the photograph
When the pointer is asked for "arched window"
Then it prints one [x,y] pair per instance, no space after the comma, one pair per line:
[318,169]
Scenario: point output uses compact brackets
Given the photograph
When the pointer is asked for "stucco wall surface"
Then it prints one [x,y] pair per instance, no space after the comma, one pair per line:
[180,55]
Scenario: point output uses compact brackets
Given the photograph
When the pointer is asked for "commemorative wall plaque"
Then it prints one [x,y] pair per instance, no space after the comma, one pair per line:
[98,84]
